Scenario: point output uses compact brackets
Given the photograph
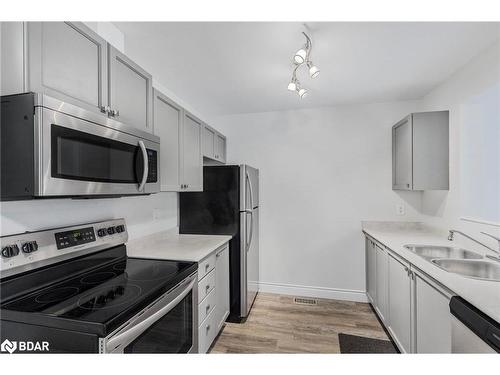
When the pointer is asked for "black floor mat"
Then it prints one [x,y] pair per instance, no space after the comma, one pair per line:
[350,344]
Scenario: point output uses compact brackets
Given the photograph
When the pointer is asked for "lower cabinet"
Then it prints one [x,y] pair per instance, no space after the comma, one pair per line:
[382,279]
[432,316]
[412,306]
[400,303]
[213,296]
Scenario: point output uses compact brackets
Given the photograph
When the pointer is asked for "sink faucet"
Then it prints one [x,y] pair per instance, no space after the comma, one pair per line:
[497,252]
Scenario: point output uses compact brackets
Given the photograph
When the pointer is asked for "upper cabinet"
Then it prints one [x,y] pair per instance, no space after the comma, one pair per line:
[420,152]
[69,61]
[130,91]
[181,165]
[214,144]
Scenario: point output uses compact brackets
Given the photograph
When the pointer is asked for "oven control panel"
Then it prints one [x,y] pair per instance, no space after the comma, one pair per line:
[30,250]
[74,237]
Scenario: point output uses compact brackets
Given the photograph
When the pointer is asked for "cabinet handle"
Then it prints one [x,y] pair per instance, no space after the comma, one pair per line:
[207,287]
[208,328]
[208,307]
[407,185]
[207,266]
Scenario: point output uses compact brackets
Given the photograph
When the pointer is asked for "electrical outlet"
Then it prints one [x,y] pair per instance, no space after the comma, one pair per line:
[400,209]
[156,214]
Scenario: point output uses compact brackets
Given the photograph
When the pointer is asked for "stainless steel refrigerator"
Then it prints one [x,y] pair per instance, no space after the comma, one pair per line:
[229,204]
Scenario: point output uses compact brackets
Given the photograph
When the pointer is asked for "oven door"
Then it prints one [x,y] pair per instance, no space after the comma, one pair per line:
[75,157]
[168,325]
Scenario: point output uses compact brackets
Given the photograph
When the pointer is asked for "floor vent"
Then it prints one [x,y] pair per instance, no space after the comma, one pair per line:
[305,301]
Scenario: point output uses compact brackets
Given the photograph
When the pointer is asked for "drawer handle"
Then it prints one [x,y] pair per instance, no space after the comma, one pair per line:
[208,328]
[208,307]
[207,287]
[207,266]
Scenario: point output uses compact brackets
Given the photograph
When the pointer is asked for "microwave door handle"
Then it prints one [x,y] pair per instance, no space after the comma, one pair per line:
[126,337]
[146,169]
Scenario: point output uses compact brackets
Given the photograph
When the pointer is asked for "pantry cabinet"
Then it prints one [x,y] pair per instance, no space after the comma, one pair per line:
[181,167]
[130,91]
[420,152]
[399,287]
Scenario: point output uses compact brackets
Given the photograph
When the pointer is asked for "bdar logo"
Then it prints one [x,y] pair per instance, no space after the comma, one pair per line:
[8,346]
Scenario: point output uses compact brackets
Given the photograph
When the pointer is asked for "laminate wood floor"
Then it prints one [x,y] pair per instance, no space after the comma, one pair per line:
[278,325]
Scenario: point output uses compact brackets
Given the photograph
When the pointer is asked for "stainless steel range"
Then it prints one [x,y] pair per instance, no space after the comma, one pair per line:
[74,290]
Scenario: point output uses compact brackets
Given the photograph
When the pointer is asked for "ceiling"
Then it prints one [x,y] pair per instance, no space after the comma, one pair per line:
[226,68]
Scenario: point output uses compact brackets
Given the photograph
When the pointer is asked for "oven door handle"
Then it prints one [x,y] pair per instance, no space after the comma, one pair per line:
[146,165]
[122,339]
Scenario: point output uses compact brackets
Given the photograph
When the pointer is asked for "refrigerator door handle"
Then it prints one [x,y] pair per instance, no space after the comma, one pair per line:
[250,190]
[249,240]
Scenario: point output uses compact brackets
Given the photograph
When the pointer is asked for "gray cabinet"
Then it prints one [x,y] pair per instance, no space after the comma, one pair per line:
[420,152]
[371,270]
[432,316]
[168,118]
[222,285]
[400,303]
[381,300]
[214,145]
[11,58]
[67,60]
[130,91]
[192,159]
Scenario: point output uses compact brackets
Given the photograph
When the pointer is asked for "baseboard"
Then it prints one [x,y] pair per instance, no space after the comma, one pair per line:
[314,291]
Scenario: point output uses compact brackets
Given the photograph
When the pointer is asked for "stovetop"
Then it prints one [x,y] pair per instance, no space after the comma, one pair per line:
[97,298]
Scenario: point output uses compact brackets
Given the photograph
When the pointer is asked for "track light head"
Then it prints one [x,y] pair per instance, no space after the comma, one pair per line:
[292,86]
[303,93]
[300,56]
[313,70]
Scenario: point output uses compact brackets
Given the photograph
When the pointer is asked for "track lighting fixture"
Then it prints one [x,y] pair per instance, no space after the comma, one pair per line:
[303,57]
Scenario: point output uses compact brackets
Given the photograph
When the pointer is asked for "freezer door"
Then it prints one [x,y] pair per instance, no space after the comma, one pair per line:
[249,259]
[249,191]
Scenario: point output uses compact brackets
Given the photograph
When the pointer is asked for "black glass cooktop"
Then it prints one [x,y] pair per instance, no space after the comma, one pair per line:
[106,295]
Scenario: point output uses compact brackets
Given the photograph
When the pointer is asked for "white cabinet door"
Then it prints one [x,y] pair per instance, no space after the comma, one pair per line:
[130,91]
[400,304]
[382,279]
[371,270]
[67,61]
[433,319]
[208,142]
[220,148]
[222,285]
[192,159]
[168,126]
[402,155]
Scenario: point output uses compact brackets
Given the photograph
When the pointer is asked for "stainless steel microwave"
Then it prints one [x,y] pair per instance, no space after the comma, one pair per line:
[50,148]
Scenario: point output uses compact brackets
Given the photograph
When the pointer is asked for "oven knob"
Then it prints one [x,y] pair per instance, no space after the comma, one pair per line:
[29,247]
[101,300]
[120,228]
[102,232]
[120,290]
[10,251]
[111,230]
[110,295]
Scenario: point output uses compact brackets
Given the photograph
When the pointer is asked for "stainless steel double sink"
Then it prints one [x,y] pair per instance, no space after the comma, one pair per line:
[460,261]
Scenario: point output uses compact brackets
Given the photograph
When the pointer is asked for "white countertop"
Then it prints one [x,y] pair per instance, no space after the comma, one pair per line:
[174,246]
[485,295]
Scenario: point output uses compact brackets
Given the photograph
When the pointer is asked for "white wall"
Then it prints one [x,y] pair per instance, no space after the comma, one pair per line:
[472,95]
[322,172]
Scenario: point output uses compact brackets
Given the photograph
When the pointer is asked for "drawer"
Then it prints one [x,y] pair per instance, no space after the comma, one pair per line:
[206,306]
[206,265]
[207,332]
[206,285]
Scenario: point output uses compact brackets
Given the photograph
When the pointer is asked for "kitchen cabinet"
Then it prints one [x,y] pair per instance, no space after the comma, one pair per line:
[432,316]
[222,285]
[381,300]
[371,270]
[192,159]
[72,63]
[68,61]
[181,167]
[420,152]
[167,122]
[213,296]
[130,91]
[214,144]
[400,303]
